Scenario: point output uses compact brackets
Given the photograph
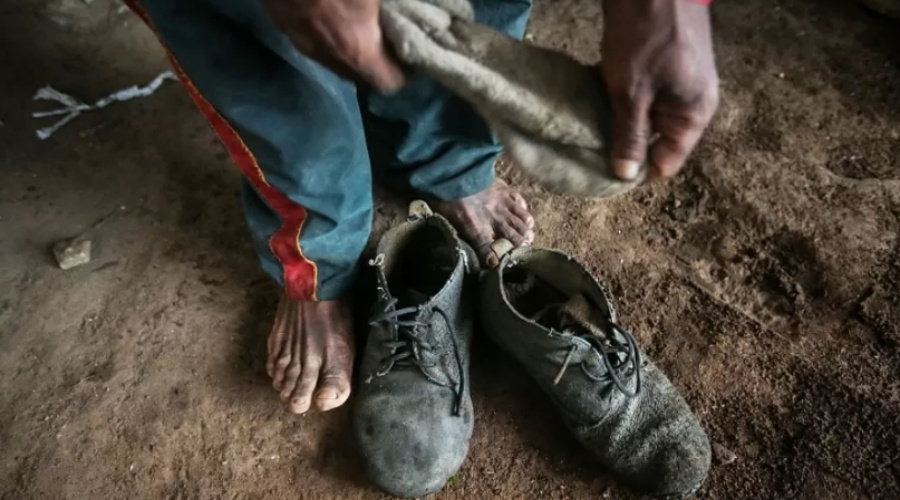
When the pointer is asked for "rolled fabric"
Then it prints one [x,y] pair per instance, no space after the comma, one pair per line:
[551,112]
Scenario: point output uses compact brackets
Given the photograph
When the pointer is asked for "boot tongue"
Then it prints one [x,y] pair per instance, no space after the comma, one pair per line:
[578,317]
[575,316]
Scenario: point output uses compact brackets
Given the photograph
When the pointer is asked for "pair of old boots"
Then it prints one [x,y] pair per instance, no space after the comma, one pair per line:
[414,417]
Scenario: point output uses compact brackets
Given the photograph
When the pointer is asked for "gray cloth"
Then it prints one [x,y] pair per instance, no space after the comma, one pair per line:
[551,112]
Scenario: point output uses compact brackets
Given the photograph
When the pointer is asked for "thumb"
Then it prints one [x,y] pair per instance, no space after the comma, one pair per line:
[630,134]
[383,72]
[378,67]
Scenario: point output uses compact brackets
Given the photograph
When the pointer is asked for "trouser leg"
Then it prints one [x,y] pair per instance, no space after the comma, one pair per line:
[425,138]
[292,127]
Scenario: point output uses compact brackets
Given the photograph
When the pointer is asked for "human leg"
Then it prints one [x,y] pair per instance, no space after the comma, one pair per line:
[294,130]
[426,139]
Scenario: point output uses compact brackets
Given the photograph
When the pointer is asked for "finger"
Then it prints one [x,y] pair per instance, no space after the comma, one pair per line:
[313,48]
[333,64]
[375,69]
[669,152]
[358,55]
[630,133]
[680,126]
[379,69]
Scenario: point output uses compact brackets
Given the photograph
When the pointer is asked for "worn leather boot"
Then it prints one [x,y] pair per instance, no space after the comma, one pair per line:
[548,312]
[413,414]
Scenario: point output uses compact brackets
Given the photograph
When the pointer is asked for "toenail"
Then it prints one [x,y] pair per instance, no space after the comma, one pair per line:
[327,394]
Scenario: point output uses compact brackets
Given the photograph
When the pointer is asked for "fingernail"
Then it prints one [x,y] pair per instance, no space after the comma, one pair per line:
[327,394]
[493,261]
[626,169]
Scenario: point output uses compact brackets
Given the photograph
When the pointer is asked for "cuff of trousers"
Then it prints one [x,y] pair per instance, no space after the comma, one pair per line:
[332,288]
[476,179]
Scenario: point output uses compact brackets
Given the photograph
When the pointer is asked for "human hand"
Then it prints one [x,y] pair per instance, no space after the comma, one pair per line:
[660,71]
[342,35]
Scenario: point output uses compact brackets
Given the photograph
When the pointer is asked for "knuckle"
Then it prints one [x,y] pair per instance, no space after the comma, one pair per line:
[698,113]
[349,50]
[283,362]
[628,92]
[634,134]
[708,93]
[631,140]
[696,118]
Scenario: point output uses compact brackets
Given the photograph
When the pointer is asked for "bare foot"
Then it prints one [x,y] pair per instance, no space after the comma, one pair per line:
[311,354]
[497,212]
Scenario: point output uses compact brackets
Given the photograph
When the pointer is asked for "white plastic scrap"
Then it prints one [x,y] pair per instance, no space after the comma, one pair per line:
[73,107]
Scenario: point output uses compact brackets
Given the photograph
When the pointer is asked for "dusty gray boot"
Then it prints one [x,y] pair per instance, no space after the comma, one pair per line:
[549,313]
[413,415]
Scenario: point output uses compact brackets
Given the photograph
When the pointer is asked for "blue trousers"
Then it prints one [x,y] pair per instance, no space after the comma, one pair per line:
[309,143]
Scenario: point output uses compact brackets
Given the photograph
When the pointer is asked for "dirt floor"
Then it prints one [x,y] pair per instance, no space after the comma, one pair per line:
[764,280]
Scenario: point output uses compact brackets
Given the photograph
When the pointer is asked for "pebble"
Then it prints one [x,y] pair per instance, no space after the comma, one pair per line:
[722,455]
[72,253]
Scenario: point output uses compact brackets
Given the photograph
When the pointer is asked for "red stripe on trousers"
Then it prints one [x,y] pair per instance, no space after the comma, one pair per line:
[300,274]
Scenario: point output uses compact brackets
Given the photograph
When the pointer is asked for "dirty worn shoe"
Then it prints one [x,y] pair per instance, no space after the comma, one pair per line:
[549,313]
[413,414]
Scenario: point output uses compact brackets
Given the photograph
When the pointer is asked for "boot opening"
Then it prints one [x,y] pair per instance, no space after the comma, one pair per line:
[423,265]
[540,284]
[529,294]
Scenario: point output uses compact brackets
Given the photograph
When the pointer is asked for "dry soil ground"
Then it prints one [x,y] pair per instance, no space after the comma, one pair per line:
[764,280]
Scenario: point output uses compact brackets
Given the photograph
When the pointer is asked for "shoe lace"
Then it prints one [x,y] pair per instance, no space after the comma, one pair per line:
[406,345]
[622,360]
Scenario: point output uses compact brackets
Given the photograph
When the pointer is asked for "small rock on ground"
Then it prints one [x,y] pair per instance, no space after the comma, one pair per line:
[72,253]
[722,455]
